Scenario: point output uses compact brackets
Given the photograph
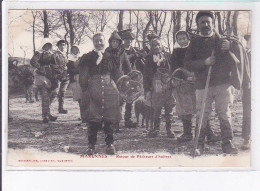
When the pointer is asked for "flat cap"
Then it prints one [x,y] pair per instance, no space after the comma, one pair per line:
[204,13]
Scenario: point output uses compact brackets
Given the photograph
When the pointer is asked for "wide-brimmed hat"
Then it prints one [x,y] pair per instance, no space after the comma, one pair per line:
[115,36]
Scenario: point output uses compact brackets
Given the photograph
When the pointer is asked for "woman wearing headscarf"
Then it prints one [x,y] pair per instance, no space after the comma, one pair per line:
[100,93]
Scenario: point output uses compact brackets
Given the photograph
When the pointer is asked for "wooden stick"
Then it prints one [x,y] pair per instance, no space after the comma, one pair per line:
[196,139]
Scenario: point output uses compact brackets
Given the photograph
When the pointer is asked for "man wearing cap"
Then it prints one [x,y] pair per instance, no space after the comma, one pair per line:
[206,50]
[61,70]
[246,98]
[128,38]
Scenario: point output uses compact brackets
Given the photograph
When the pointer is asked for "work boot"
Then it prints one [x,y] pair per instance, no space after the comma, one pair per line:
[61,109]
[52,118]
[90,150]
[229,148]
[130,124]
[246,144]
[110,150]
[187,134]
[45,120]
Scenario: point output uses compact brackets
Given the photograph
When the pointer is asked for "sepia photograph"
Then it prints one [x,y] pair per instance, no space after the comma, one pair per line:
[129,88]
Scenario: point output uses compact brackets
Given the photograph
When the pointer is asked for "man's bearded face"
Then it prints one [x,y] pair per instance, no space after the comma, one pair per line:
[205,25]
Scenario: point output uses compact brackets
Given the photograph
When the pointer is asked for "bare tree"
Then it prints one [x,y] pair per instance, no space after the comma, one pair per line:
[176,16]
[234,23]
[219,22]
[228,23]
[34,15]
[46,25]
[189,20]
[120,21]
[25,50]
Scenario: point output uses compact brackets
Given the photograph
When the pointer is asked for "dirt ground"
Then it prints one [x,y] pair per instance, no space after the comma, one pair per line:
[27,131]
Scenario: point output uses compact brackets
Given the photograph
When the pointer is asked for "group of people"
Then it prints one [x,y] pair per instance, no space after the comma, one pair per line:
[94,75]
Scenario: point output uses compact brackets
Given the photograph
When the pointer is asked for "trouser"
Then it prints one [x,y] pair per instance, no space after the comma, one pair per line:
[60,91]
[46,101]
[168,116]
[246,101]
[93,130]
[223,98]
[187,124]
[128,111]
[28,92]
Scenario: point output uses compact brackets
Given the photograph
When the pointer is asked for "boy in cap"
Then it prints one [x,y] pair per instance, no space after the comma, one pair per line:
[128,38]
[204,51]
[73,71]
[156,92]
[61,70]
[185,93]
[44,61]
[246,98]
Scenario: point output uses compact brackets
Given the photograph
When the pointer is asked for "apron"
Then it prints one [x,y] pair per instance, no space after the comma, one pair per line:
[103,100]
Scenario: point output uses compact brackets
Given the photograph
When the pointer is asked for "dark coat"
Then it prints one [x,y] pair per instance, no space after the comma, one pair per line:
[100,94]
[150,68]
[199,50]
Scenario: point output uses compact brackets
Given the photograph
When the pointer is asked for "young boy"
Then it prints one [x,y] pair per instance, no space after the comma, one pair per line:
[156,92]
[185,93]
[73,71]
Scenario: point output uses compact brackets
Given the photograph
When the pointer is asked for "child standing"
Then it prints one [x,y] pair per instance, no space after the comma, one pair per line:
[185,92]
[73,60]
[158,93]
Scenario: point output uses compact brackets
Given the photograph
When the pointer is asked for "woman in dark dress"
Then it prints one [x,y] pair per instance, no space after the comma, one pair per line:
[100,94]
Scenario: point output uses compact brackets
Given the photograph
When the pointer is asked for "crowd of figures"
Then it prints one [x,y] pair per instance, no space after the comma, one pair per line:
[102,80]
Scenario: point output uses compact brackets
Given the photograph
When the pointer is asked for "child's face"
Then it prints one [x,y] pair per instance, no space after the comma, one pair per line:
[75,50]
[182,40]
[115,43]
[156,46]
[128,42]
[62,47]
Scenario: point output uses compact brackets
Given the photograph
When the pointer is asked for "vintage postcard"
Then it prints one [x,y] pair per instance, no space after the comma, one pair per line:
[128,87]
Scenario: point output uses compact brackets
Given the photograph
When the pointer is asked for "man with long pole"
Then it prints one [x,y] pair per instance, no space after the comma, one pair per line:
[199,59]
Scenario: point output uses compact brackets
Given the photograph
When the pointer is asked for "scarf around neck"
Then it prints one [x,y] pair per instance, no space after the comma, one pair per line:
[100,56]
[158,58]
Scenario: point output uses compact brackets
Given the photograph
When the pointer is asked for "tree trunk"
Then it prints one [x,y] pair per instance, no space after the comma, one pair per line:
[234,23]
[120,23]
[33,27]
[219,23]
[177,23]
[46,25]
[228,25]
[147,27]
[71,28]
